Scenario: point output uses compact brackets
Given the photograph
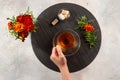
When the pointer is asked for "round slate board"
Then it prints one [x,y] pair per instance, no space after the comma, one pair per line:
[42,39]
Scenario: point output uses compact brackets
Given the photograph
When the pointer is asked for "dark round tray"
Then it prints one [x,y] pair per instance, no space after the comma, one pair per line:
[43,38]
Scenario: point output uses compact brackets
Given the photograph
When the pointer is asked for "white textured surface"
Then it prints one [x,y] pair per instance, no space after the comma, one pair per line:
[17,59]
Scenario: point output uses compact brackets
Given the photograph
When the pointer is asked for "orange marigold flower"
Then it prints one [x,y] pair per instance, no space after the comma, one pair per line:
[18,27]
[88,27]
[10,25]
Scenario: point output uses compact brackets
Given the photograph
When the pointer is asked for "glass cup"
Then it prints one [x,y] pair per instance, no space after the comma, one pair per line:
[68,40]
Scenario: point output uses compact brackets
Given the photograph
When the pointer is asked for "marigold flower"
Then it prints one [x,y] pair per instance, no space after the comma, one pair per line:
[19,18]
[21,25]
[10,25]
[27,20]
[30,28]
[18,27]
[88,27]
[23,35]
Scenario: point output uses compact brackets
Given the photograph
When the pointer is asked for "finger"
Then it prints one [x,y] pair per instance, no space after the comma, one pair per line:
[54,52]
[58,49]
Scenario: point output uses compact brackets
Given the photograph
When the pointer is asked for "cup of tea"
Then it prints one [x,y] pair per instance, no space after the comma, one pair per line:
[68,40]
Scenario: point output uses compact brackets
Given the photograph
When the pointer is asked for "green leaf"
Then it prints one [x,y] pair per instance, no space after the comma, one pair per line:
[89,21]
[82,21]
[83,18]
[13,19]
[9,19]
[28,9]
[91,38]
[77,27]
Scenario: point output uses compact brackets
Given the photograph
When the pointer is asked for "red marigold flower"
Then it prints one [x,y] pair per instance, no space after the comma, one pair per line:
[27,20]
[19,18]
[10,25]
[88,27]
[30,28]
[23,35]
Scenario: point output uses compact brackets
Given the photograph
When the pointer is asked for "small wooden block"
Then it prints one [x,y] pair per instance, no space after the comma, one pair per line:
[55,21]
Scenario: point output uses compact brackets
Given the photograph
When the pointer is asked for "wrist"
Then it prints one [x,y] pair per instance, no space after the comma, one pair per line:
[63,68]
[65,73]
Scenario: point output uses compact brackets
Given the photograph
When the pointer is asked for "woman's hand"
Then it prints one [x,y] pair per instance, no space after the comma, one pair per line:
[58,57]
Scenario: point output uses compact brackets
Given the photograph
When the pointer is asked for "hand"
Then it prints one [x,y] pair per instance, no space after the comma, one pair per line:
[58,57]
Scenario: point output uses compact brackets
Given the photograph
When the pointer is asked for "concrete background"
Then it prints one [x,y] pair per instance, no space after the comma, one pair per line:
[18,61]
